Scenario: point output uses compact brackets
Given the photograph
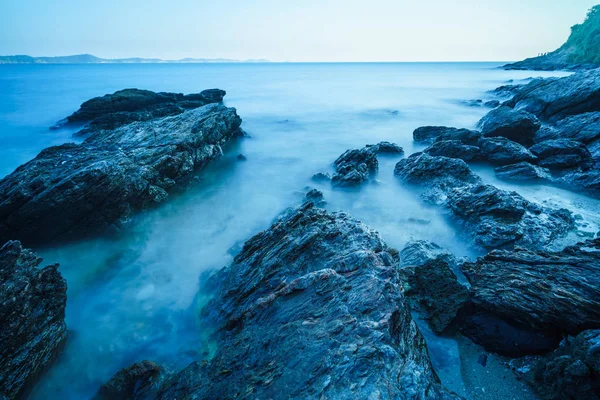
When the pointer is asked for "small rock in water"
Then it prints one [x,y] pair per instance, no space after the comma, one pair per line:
[242,157]
[482,360]
[321,177]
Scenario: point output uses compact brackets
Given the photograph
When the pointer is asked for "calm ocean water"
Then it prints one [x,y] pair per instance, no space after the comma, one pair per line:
[136,297]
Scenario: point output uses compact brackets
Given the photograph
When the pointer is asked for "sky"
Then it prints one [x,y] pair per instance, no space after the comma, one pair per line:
[290,30]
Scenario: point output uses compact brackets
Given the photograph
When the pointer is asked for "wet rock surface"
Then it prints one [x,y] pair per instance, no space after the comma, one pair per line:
[139,381]
[554,99]
[491,217]
[562,153]
[523,172]
[130,105]
[518,126]
[430,134]
[78,189]
[500,150]
[455,149]
[312,307]
[546,291]
[32,312]
[355,167]
[386,148]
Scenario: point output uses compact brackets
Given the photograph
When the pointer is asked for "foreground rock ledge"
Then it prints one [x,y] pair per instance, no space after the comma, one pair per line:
[312,308]
[32,311]
[76,189]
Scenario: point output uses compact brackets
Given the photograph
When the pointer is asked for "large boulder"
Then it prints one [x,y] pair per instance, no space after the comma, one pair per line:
[430,134]
[500,150]
[76,189]
[438,174]
[495,218]
[562,153]
[355,167]
[523,172]
[555,99]
[455,149]
[516,125]
[32,312]
[588,181]
[129,105]
[584,128]
[546,291]
[311,308]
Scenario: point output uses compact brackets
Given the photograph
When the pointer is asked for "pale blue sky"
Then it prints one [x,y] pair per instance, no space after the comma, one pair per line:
[287,30]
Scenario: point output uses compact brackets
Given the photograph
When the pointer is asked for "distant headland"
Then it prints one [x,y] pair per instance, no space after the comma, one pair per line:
[90,59]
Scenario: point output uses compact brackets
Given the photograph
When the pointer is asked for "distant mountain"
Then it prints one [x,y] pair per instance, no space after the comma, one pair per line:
[90,59]
[580,51]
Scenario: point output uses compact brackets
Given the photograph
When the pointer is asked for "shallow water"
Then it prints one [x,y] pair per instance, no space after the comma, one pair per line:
[134,297]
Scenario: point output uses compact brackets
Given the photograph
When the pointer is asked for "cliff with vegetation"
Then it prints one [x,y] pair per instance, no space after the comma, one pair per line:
[581,50]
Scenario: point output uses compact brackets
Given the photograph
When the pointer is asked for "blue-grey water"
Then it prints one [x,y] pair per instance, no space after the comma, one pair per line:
[136,297]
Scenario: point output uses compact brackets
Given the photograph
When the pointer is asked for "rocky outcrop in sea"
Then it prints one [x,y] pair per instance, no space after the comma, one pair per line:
[32,312]
[97,186]
[312,307]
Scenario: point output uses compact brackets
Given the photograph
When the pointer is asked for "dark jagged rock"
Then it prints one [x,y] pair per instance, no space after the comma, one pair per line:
[522,171]
[455,149]
[492,103]
[77,189]
[495,218]
[491,217]
[321,177]
[439,174]
[418,252]
[507,90]
[429,134]
[139,381]
[584,128]
[385,148]
[562,153]
[587,181]
[500,150]
[130,105]
[32,312]
[355,167]
[555,99]
[311,308]
[316,197]
[434,291]
[570,372]
[546,291]
[518,126]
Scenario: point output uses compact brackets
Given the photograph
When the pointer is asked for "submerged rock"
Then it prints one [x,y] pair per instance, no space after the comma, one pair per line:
[500,150]
[33,327]
[518,126]
[355,167]
[562,153]
[321,177]
[522,171]
[76,189]
[555,99]
[546,291]
[455,149]
[130,105]
[311,308]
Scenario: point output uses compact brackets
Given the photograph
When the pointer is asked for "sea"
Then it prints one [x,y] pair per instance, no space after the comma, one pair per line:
[135,296]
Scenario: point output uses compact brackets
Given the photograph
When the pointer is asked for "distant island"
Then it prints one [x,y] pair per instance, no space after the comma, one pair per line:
[580,51]
[90,59]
